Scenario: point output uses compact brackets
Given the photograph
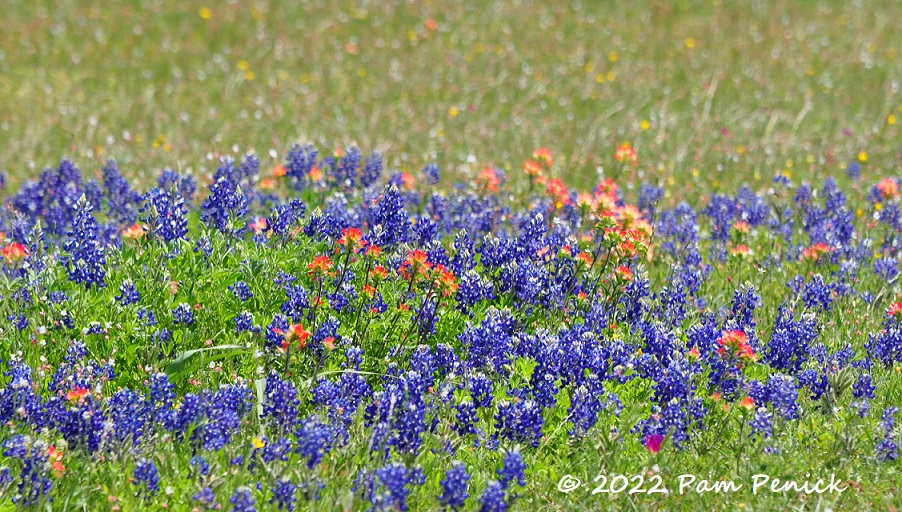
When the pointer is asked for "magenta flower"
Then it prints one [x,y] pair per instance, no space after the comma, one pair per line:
[653,442]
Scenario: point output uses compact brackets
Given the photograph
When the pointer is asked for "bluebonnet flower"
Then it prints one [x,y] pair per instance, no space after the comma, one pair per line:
[885,346]
[886,268]
[53,197]
[147,476]
[887,448]
[284,494]
[128,414]
[321,226]
[494,498]
[513,470]
[372,170]
[280,406]
[454,487]
[432,174]
[241,290]
[722,210]
[225,409]
[345,172]
[226,207]
[200,464]
[147,317]
[761,423]
[314,440]
[128,293]
[93,328]
[394,481]
[678,228]
[296,302]
[243,501]
[33,482]
[285,217]
[121,199]
[244,322]
[185,185]
[519,421]
[788,347]
[488,344]
[389,219]
[863,391]
[183,315]
[276,332]
[481,390]
[585,406]
[86,259]
[298,164]
[58,297]
[203,244]
[817,294]
[446,360]
[863,388]
[275,450]
[649,195]
[465,418]
[19,321]
[165,214]
[241,175]
[853,170]
[780,391]
[207,498]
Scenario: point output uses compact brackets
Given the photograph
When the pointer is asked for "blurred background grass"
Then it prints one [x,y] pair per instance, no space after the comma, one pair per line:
[711,94]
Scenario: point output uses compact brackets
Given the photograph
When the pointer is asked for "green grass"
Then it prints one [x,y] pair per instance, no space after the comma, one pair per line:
[799,86]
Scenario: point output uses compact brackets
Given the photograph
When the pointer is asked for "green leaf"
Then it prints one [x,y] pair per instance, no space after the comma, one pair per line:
[191,360]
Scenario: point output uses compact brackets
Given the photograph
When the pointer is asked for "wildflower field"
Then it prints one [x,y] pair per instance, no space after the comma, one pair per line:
[450,256]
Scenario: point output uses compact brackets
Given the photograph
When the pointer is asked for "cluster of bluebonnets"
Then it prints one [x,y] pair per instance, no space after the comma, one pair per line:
[395,321]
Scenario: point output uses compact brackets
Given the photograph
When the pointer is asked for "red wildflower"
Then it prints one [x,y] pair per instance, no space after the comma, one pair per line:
[258,225]
[379,271]
[300,334]
[373,251]
[489,178]
[624,273]
[735,343]
[543,156]
[895,310]
[741,250]
[654,442]
[558,192]
[888,188]
[77,394]
[14,252]
[815,251]
[56,457]
[352,238]
[625,153]
[532,168]
[417,262]
[320,265]
[133,232]
[445,281]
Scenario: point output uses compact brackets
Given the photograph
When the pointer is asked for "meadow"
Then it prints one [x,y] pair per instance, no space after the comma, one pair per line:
[464,256]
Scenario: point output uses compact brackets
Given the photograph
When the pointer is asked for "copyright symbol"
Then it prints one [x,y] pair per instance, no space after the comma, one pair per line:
[568,484]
